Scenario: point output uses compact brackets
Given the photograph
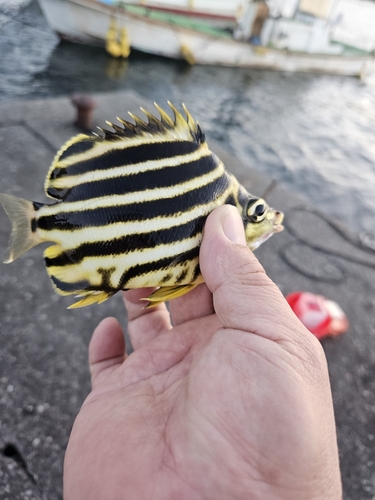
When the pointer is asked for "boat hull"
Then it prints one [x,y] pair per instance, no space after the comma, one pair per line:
[87,21]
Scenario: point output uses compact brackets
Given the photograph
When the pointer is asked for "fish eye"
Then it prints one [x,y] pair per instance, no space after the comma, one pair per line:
[256,210]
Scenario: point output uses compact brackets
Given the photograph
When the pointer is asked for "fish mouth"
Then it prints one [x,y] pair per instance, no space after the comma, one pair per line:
[277,222]
[276,227]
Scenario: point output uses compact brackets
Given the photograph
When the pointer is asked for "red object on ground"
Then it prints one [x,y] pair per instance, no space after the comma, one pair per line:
[323,317]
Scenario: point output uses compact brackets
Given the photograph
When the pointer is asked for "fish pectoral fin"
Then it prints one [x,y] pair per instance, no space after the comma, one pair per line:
[94,298]
[166,293]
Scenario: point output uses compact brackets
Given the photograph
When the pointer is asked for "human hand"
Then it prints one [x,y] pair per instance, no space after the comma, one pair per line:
[232,402]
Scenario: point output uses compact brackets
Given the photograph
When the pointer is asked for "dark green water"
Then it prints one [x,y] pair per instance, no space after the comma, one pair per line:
[314,133]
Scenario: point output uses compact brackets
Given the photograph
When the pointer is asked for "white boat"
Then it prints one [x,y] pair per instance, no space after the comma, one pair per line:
[294,37]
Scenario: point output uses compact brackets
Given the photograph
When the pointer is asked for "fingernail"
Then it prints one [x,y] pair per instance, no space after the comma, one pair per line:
[233,226]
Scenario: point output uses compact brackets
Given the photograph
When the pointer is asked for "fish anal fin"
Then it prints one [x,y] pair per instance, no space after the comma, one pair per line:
[166,293]
[94,298]
[24,235]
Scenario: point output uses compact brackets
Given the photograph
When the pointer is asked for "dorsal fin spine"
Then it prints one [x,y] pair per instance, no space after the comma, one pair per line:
[165,118]
[139,122]
[153,121]
[193,125]
[179,120]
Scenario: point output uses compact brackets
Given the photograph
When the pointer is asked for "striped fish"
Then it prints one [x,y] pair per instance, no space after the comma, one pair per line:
[129,211]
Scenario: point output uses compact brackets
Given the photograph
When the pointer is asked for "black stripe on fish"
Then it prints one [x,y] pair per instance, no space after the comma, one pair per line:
[242,196]
[142,269]
[197,272]
[106,278]
[181,276]
[71,287]
[166,278]
[58,193]
[37,205]
[141,211]
[128,244]
[165,177]
[34,225]
[127,156]
[78,147]
[230,200]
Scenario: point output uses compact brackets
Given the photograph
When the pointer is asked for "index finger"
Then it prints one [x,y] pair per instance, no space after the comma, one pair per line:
[195,304]
[144,323]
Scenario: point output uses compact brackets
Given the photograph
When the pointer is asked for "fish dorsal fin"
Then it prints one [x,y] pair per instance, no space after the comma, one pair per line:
[164,128]
[83,147]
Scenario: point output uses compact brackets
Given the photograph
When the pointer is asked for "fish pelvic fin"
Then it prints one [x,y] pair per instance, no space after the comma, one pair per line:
[165,293]
[22,214]
[94,298]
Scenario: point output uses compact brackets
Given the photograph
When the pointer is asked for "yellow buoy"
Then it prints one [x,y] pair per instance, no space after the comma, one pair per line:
[187,54]
[117,46]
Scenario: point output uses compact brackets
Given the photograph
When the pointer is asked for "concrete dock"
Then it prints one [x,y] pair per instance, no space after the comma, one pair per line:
[44,375]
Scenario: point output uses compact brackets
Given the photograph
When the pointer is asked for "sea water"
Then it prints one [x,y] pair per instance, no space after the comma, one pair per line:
[314,133]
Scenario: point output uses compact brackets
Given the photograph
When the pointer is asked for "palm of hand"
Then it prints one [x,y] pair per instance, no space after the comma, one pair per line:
[187,411]
[205,410]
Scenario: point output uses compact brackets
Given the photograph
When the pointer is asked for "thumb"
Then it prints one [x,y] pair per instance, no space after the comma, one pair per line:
[244,297]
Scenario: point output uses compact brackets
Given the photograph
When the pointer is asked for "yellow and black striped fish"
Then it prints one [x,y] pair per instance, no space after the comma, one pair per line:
[130,209]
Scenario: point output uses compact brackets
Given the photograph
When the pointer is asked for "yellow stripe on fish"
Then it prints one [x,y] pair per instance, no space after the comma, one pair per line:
[130,209]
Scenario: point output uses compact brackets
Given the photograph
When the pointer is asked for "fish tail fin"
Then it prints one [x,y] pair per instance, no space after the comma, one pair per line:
[22,216]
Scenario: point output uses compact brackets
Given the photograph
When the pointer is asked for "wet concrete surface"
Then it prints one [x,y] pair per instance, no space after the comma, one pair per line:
[44,374]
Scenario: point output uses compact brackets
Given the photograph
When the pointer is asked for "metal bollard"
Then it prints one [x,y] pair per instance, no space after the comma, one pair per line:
[85,106]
